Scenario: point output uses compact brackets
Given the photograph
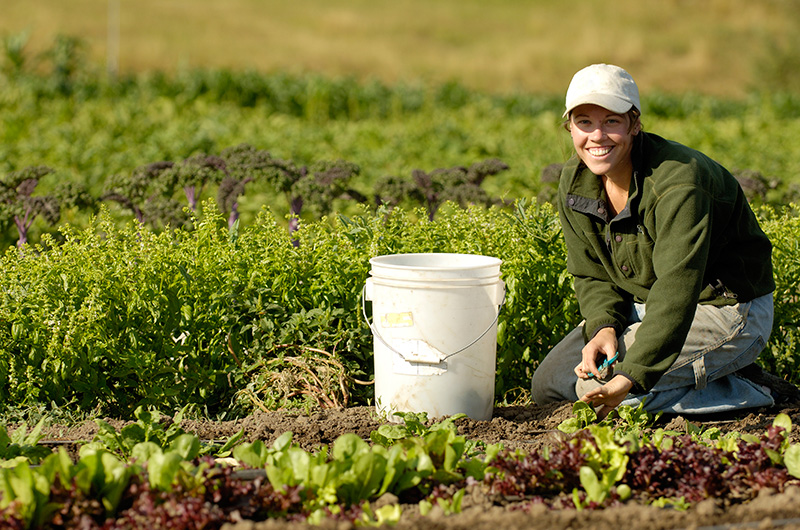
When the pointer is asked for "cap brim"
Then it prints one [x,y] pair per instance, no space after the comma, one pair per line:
[607,101]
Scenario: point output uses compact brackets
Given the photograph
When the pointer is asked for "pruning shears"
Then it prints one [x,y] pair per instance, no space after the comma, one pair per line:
[608,362]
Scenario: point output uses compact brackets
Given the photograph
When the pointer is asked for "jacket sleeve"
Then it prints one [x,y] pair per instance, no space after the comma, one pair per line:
[601,302]
[682,219]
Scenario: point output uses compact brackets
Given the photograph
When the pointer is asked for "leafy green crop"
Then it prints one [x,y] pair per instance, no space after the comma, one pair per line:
[599,466]
[94,131]
[27,490]
[224,320]
[22,445]
[632,420]
[213,317]
[407,459]
[783,229]
[603,466]
[148,429]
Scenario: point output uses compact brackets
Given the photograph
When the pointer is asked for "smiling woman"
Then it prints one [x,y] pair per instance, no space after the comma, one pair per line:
[673,274]
[603,140]
[501,46]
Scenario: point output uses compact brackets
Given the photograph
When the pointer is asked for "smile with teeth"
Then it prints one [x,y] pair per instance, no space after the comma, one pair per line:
[600,151]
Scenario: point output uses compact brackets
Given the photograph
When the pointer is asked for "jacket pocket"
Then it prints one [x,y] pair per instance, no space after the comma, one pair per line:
[637,254]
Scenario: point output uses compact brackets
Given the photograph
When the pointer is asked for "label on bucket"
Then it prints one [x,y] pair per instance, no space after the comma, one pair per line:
[401,366]
[397,320]
[416,357]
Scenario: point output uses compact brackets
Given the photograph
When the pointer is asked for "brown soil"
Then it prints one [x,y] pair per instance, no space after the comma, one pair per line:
[525,428]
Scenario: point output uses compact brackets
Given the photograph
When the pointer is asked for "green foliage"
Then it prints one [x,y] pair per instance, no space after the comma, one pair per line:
[19,205]
[314,187]
[354,472]
[597,489]
[540,306]
[15,58]
[453,455]
[173,308]
[97,474]
[783,228]
[20,485]
[126,317]
[627,421]
[22,445]
[151,191]
[148,431]
[89,129]
[792,460]
[36,494]
[599,466]
[224,320]
[449,506]
[257,454]
[409,457]
[606,462]
[611,451]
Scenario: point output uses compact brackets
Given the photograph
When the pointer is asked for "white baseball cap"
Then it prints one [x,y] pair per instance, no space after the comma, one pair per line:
[605,85]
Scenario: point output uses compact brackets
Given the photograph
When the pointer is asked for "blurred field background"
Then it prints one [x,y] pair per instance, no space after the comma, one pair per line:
[718,47]
[97,88]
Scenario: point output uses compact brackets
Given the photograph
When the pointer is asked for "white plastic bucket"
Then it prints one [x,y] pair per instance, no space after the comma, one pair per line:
[434,327]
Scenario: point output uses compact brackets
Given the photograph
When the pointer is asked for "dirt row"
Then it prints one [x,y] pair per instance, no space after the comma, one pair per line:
[528,429]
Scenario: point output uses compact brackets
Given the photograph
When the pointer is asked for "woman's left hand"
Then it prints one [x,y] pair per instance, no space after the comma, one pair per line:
[608,396]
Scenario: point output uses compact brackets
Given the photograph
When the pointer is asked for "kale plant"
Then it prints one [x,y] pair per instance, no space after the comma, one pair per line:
[458,184]
[18,202]
[314,187]
[149,191]
[193,175]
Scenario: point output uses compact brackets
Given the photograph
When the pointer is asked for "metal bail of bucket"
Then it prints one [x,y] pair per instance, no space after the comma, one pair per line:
[435,332]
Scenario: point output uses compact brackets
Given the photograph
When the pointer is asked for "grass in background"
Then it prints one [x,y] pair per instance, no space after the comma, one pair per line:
[718,47]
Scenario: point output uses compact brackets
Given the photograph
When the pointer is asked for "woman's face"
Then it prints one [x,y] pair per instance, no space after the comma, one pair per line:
[603,140]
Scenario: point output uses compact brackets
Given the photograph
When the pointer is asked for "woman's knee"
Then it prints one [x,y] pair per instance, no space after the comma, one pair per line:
[554,379]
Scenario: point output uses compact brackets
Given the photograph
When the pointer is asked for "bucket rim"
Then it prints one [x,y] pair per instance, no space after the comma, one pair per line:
[480,261]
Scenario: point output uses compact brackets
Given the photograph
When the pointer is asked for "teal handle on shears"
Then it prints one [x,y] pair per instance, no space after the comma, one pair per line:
[605,364]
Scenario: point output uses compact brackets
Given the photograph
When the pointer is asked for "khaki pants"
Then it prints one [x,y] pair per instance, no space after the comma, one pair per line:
[721,341]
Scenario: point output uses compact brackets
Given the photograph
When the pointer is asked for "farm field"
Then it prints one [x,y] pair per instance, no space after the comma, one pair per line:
[263,379]
[208,181]
[420,96]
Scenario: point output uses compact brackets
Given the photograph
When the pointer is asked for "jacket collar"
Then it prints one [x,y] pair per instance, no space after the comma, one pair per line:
[585,192]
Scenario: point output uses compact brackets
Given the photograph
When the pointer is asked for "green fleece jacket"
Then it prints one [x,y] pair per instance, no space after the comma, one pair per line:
[686,236]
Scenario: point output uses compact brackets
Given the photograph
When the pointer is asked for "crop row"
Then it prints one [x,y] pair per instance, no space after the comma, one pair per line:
[165,194]
[90,130]
[149,475]
[228,318]
[125,316]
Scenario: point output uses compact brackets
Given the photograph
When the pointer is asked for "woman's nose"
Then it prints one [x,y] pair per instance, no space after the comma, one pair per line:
[597,133]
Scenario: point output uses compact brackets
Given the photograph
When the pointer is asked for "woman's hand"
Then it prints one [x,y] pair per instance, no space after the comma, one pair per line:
[604,343]
[604,399]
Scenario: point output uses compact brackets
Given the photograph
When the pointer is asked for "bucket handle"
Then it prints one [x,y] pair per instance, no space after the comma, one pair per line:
[377,334]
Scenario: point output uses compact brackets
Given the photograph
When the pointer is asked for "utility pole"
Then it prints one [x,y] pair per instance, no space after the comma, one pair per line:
[112,40]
